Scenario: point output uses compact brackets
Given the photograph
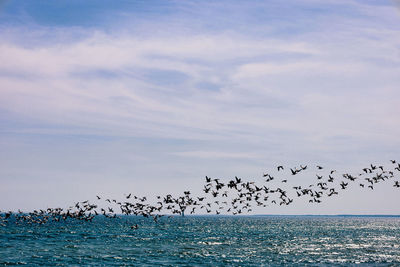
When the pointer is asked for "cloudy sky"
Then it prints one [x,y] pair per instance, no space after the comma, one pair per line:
[149,97]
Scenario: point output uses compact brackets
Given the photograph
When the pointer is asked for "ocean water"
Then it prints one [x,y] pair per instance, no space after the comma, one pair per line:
[205,241]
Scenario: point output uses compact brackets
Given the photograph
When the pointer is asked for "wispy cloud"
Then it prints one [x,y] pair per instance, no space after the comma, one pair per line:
[116,81]
[215,154]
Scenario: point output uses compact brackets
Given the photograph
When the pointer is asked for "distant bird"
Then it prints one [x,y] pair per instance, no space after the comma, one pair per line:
[367,170]
[332,192]
[343,185]
[8,214]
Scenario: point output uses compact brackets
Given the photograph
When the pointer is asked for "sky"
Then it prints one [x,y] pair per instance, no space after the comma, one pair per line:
[149,97]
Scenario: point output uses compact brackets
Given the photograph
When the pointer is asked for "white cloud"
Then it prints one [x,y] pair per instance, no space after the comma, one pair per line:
[215,154]
[64,83]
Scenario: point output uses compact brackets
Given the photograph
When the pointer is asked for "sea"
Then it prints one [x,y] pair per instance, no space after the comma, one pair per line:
[205,241]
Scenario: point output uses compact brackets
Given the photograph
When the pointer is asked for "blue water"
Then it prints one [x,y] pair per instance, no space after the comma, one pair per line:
[205,241]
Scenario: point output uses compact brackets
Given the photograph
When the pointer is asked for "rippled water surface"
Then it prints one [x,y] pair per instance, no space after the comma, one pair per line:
[206,241]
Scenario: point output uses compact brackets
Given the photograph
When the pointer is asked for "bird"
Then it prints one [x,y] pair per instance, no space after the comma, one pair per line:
[343,185]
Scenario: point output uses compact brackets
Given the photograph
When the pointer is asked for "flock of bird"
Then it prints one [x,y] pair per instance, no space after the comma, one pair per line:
[236,196]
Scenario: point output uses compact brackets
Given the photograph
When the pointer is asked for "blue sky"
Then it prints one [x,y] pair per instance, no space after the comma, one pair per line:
[150,96]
